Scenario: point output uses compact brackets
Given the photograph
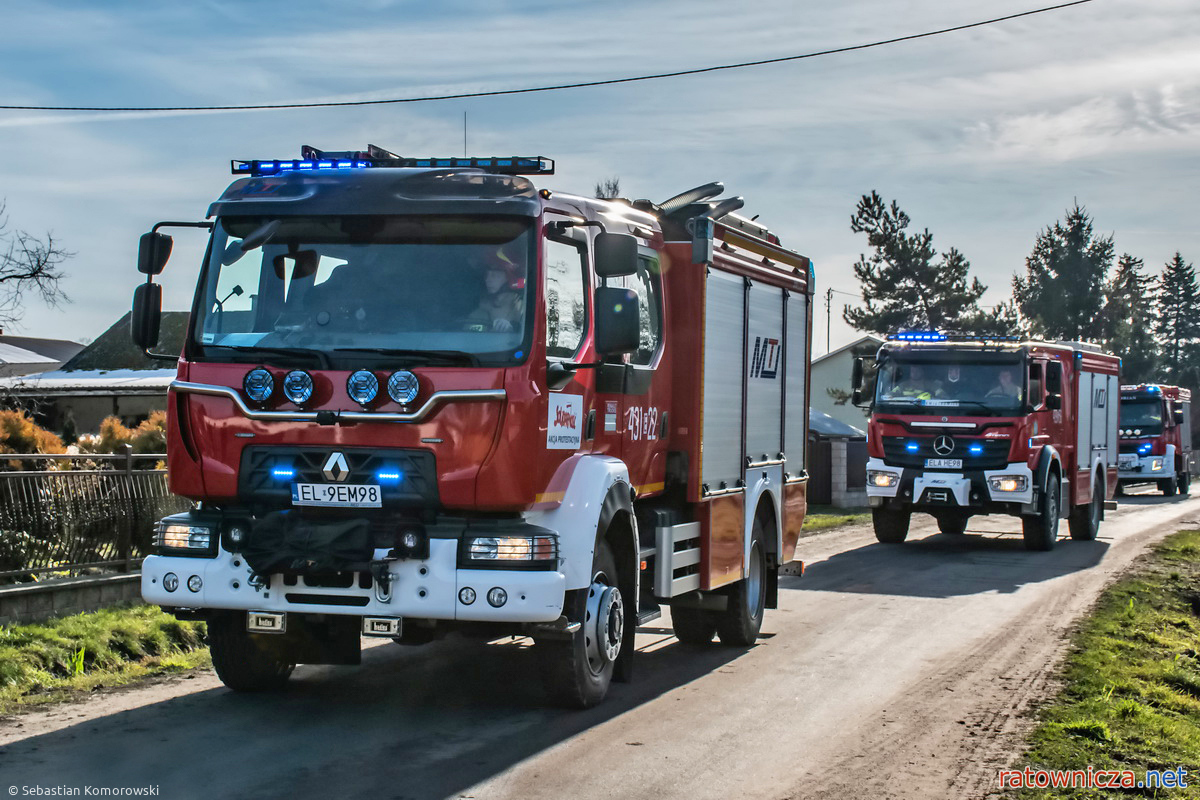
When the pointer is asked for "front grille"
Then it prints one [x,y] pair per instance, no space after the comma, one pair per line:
[994,455]
[417,486]
[1128,447]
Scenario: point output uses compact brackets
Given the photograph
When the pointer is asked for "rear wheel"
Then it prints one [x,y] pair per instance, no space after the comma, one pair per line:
[244,661]
[1185,483]
[1041,531]
[693,625]
[890,526]
[953,524]
[578,671]
[1085,519]
[738,625]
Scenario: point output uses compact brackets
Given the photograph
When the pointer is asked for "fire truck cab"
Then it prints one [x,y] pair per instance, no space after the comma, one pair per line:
[1156,437]
[421,396]
[962,426]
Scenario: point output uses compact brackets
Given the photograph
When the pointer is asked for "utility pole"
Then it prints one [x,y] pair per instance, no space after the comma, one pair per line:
[828,318]
[464,134]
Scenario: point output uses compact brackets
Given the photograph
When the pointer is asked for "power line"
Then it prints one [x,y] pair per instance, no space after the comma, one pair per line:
[558,87]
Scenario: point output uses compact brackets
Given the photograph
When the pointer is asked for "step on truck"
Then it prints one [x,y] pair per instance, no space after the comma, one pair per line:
[421,396]
[1156,437]
[962,426]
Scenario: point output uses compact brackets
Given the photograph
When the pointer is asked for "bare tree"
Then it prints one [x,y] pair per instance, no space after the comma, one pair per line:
[609,188]
[28,264]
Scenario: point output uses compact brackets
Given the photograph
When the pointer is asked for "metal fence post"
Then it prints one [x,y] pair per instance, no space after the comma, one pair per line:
[127,532]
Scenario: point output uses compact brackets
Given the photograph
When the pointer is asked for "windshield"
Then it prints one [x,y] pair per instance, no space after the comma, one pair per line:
[1144,416]
[449,286]
[937,387]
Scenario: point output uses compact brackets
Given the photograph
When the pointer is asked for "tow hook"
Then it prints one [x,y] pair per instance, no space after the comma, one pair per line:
[383,581]
[561,628]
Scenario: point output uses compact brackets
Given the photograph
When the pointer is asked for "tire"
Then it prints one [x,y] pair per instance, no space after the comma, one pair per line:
[693,625]
[891,527]
[1041,532]
[1085,519]
[1120,489]
[244,661]
[1169,486]
[738,625]
[578,671]
[1185,483]
[953,525]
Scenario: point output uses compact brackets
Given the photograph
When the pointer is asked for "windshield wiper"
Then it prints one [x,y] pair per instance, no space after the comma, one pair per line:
[320,356]
[426,356]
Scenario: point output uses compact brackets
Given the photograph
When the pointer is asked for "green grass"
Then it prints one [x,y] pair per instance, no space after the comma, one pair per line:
[821,518]
[58,659]
[1132,681]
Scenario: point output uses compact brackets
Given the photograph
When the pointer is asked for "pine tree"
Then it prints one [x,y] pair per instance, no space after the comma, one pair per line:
[1129,320]
[1062,293]
[1178,323]
[908,286]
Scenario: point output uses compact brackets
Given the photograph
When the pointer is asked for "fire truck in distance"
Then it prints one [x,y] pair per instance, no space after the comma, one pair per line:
[1156,437]
[427,395]
[963,426]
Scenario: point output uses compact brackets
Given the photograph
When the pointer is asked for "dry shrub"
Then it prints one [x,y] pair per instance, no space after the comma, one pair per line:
[20,434]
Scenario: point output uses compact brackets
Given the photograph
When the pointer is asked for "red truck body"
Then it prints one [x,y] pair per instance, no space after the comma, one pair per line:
[1156,437]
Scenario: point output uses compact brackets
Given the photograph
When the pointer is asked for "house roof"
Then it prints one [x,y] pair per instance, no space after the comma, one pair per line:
[832,428]
[48,350]
[115,350]
[875,340]
[79,383]
[10,354]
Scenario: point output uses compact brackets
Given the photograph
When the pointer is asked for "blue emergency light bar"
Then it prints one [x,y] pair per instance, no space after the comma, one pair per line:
[515,165]
[918,336]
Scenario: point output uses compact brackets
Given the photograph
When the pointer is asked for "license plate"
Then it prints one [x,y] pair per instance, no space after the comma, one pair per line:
[1126,461]
[944,463]
[350,495]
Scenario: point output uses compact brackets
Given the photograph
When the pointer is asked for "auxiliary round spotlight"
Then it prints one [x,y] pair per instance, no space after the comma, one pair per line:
[497,597]
[466,595]
[195,584]
[403,387]
[410,540]
[362,386]
[170,581]
[298,386]
[259,385]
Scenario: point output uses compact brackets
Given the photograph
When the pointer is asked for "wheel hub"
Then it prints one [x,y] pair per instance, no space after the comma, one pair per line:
[605,625]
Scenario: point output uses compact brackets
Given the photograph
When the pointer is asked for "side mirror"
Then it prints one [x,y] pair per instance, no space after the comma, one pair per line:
[616,255]
[856,375]
[1178,415]
[146,317]
[856,398]
[153,251]
[617,321]
[1054,402]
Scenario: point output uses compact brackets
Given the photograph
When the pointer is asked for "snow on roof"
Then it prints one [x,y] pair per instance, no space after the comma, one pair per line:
[11,354]
[824,425]
[91,381]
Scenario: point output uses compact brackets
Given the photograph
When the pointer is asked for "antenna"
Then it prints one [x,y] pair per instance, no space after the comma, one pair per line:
[464,134]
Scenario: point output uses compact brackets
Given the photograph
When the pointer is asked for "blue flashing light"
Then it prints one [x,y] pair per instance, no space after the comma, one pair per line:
[912,447]
[389,475]
[283,472]
[519,354]
[919,336]
[976,449]
[1155,390]
[1144,449]
[516,165]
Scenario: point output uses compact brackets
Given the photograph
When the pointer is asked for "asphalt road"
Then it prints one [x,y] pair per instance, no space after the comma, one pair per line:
[887,671]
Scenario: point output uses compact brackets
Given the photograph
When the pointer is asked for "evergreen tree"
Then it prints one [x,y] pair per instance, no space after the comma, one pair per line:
[908,286]
[1129,320]
[1178,323]
[1062,293]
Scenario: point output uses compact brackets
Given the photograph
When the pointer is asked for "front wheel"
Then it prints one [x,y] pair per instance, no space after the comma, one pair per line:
[952,525]
[1169,486]
[891,527]
[578,671]
[1041,531]
[244,661]
[738,625]
[1085,520]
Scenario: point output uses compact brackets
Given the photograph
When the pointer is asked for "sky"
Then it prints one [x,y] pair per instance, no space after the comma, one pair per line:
[984,136]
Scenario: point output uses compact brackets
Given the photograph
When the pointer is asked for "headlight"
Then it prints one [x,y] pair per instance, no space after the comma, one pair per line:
[403,387]
[511,551]
[258,385]
[1156,464]
[362,386]
[183,539]
[1008,483]
[298,386]
[882,480]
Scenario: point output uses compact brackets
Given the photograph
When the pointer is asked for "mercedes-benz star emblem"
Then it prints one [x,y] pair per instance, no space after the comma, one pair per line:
[335,468]
[942,445]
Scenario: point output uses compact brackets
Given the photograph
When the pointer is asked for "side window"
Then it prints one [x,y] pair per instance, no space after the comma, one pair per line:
[648,286]
[566,298]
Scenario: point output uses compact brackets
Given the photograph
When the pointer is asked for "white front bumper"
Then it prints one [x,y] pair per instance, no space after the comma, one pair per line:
[420,589]
[1139,468]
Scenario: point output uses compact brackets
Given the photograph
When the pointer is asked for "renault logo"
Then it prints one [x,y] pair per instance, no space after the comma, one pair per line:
[942,445]
[335,468]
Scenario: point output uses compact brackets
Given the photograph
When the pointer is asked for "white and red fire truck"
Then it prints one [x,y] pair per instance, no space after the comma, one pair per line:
[1156,437]
[428,395]
[963,426]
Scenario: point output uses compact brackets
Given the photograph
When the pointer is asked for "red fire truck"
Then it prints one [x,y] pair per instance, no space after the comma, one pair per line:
[963,426]
[1156,437]
[427,395]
